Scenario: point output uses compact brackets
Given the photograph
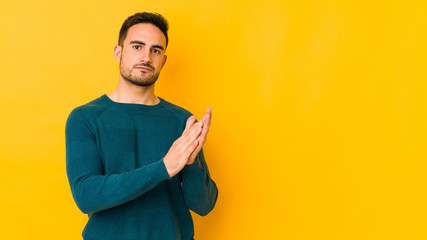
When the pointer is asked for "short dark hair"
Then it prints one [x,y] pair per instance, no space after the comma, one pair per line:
[144,17]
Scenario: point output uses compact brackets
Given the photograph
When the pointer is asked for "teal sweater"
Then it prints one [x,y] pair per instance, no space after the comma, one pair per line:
[117,175]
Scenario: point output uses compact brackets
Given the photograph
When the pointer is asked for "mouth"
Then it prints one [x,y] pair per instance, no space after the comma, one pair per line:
[144,68]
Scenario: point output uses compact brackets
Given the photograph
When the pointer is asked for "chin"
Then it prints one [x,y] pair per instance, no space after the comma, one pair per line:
[143,83]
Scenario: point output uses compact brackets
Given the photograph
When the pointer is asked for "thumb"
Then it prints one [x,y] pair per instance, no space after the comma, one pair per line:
[190,121]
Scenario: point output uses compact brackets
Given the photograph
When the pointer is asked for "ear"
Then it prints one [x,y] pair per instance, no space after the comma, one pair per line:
[117,53]
[164,60]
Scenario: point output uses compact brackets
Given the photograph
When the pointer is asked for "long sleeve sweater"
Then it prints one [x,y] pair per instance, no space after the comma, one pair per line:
[115,168]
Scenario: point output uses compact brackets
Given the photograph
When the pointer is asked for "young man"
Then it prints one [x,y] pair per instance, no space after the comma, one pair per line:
[134,161]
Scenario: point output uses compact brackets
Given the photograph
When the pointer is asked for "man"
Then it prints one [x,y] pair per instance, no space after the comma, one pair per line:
[134,161]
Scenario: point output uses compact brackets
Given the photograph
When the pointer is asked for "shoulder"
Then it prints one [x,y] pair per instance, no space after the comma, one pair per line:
[179,112]
[90,110]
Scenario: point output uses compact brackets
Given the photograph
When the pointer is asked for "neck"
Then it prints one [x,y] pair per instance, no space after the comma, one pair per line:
[129,93]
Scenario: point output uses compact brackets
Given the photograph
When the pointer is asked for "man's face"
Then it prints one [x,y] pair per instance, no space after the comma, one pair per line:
[142,55]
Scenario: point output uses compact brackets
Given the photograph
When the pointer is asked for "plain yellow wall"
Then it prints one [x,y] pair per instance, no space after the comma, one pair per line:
[319,111]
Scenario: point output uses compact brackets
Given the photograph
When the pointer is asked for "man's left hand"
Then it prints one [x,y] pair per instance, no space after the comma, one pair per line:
[206,122]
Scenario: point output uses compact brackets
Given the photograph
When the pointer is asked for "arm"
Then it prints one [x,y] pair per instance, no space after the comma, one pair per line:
[200,191]
[92,190]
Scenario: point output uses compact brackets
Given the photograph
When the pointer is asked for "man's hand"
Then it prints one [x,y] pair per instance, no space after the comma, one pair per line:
[181,150]
[206,122]
[185,149]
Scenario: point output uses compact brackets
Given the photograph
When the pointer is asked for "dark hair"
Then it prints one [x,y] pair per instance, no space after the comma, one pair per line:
[145,17]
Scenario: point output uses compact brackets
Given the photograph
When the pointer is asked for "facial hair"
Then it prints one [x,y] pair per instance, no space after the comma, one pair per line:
[142,81]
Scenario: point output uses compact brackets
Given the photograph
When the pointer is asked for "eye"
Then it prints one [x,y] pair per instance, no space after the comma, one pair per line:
[137,47]
[156,51]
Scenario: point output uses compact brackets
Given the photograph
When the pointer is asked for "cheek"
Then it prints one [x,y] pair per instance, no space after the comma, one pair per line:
[159,62]
[127,61]
[128,57]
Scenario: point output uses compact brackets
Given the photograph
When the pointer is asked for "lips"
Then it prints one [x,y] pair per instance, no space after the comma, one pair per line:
[144,68]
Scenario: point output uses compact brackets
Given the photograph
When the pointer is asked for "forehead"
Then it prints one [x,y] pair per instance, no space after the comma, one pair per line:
[147,33]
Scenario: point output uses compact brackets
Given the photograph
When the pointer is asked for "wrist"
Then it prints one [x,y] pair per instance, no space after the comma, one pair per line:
[172,171]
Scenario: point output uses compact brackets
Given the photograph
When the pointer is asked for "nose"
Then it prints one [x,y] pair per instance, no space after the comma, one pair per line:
[145,57]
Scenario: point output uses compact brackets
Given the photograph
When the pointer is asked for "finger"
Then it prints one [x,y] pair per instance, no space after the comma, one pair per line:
[194,145]
[203,135]
[192,134]
[190,125]
[190,122]
[189,131]
[207,117]
[185,134]
[195,151]
[207,120]
[206,123]
[192,149]
[203,118]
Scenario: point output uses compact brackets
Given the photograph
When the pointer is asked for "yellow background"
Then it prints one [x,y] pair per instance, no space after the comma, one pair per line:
[319,111]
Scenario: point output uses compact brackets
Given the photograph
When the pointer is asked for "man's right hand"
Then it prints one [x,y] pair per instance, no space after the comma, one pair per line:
[183,147]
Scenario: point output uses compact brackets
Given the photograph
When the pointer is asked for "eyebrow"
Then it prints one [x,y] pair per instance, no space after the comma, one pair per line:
[143,43]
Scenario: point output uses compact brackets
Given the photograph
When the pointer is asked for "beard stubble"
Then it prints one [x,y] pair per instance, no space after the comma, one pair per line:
[142,81]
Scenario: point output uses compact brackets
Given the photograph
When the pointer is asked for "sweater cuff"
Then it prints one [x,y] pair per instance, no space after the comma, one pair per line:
[194,169]
[160,169]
